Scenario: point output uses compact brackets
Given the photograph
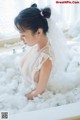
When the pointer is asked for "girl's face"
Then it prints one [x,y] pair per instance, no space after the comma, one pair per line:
[29,38]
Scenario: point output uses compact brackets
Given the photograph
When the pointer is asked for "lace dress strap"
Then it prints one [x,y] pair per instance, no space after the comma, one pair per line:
[43,57]
[44,54]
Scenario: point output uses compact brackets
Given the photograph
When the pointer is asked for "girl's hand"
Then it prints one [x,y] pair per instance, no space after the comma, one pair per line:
[31,95]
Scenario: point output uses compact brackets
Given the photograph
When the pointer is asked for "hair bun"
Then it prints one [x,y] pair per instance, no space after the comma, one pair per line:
[34,5]
[46,12]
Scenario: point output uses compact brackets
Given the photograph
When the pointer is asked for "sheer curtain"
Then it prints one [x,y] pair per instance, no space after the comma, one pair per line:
[69,14]
[8,10]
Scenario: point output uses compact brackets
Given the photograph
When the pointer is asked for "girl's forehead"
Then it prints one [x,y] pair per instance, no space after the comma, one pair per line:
[26,31]
[20,28]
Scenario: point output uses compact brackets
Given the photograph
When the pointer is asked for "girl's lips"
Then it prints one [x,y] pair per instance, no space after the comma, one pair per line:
[24,42]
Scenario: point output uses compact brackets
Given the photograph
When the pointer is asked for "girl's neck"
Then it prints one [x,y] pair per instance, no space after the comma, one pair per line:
[42,43]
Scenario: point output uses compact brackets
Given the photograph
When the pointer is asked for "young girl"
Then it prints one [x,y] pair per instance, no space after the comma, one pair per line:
[38,65]
[33,26]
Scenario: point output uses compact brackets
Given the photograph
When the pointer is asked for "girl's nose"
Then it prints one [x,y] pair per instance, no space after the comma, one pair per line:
[22,38]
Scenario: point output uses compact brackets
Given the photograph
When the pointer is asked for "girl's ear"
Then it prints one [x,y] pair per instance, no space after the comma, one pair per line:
[39,31]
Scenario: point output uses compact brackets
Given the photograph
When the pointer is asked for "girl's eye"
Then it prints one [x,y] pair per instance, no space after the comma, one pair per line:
[20,32]
[22,35]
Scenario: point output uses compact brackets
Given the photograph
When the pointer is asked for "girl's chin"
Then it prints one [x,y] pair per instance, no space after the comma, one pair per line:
[25,43]
[30,45]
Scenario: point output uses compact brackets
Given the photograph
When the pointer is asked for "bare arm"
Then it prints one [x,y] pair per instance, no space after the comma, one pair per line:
[43,79]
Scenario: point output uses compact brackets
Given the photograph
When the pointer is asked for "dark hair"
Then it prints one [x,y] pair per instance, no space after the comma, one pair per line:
[33,18]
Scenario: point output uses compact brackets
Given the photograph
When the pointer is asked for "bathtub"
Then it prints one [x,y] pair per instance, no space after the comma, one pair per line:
[64,112]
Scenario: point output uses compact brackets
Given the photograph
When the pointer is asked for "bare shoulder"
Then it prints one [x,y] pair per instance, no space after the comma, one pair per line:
[47,65]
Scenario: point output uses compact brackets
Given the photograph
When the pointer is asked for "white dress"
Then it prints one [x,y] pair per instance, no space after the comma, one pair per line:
[60,81]
[32,62]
